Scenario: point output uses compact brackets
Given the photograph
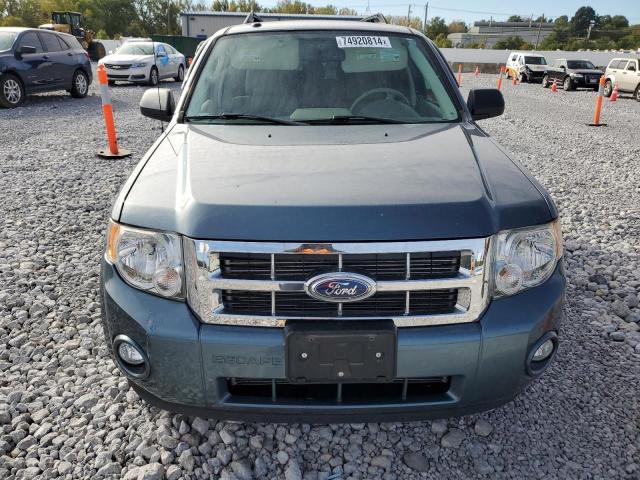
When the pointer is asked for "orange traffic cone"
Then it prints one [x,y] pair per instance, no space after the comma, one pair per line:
[554,87]
[614,94]
[477,72]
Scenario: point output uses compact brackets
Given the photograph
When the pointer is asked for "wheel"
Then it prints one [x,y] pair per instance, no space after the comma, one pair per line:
[153,77]
[79,84]
[637,93]
[608,88]
[11,91]
[522,78]
[566,84]
[180,76]
[545,81]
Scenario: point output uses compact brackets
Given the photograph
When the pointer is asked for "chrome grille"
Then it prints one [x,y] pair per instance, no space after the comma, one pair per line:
[263,284]
[113,66]
[385,266]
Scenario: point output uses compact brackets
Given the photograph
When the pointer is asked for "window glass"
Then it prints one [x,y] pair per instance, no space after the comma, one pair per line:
[631,65]
[535,61]
[51,43]
[170,49]
[63,43]
[581,64]
[160,50]
[314,76]
[621,64]
[31,39]
[513,58]
[136,48]
[6,40]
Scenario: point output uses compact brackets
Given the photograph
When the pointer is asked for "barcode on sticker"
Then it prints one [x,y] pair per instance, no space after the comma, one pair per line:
[359,41]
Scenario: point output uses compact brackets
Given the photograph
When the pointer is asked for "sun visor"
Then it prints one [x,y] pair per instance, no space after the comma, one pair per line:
[358,60]
[262,52]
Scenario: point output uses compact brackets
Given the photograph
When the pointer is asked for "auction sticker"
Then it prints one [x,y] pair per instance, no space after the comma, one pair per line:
[360,41]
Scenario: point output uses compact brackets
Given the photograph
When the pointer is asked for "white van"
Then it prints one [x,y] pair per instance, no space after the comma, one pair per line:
[526,66]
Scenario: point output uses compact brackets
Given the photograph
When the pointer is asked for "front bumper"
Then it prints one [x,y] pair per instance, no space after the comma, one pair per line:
[190,362]
[585,82]
[140,74]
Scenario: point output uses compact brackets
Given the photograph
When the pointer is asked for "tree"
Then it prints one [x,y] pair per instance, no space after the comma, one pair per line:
[347,11]
[292,6]
[515,18]
[511,43]
[442,41]
[327,10]
[457,26]
[583,18]
[436,27]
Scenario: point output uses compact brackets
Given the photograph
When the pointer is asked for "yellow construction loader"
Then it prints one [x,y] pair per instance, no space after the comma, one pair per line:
[73,24]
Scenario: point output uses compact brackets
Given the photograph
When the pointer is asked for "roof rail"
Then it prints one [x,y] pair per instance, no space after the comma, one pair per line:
[375,18]
[252,18]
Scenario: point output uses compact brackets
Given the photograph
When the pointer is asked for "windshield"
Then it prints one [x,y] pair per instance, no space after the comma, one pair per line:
[6,40]
[317,76]
[136,49]
[535,61]
[584,64]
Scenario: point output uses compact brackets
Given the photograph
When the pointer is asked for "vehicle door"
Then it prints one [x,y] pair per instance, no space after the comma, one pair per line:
[162,61]
[630,76]
[34,68]
[60,62]
[556,72]
[174,60]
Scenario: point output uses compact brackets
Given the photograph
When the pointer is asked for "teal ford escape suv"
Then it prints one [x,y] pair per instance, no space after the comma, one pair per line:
[323,234]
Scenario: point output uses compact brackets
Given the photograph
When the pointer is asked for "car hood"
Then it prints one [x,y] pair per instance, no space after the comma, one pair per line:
[118,59]
[281,183]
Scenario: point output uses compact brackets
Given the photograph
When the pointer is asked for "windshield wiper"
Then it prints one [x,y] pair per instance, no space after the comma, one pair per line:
[241,116]
[343,119]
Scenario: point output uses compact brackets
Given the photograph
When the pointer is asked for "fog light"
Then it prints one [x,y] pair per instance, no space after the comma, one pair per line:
[543,351]
[541,354]
[129,354]
[130,357]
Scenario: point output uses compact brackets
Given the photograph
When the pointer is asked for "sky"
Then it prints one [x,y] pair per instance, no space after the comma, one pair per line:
[472,10]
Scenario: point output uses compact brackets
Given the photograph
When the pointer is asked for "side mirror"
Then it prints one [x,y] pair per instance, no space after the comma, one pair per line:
[158,104]
[485,103]
[25,50]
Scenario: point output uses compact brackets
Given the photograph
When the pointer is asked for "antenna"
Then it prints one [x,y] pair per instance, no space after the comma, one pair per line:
[155,65]
[252,18]
[376,18]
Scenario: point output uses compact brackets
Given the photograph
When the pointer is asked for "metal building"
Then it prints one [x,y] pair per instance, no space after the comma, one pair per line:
[205,24]
[489,33]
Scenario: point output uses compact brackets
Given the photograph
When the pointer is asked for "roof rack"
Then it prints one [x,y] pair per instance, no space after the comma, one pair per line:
[375,18]
[252,18]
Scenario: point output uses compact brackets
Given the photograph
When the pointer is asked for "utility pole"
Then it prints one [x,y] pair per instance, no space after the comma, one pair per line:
[409,16]
[539,30]
[426,11]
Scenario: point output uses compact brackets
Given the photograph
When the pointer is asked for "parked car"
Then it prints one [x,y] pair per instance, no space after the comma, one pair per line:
[526,67]
[626,73]
[136,62]
[324,234]
[571,74]
[33,60]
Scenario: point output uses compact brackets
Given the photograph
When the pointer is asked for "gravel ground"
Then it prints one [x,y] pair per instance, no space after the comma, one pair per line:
[66,411]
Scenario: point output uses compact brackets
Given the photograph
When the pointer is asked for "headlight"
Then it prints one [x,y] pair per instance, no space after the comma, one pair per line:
[525,257]
[146,259]
[138,65]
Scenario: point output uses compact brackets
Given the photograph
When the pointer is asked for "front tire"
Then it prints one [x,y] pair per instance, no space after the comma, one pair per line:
[79,84]
[153,77]
[566,84]
[608,89]
[522,78]
[180,76]
[11,91]
[545,81]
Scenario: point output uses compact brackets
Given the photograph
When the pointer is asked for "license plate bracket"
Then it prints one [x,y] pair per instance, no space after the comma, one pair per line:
[340,351]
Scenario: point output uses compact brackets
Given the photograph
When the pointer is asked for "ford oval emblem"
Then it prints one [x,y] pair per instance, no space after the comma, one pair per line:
[340,287]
